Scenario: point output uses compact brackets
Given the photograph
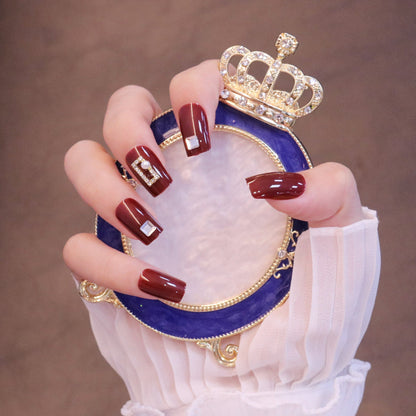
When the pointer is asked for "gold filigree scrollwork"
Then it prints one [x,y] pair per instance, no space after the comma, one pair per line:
[226,357]
[286,257]
[93,293]
[294,235]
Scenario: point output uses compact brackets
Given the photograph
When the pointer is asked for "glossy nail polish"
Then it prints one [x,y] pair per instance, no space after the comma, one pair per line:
[139,222]
[148,169]
[276,185]
[162,285]
[194,128]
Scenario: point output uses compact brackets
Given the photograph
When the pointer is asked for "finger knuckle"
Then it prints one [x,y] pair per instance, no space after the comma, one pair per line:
[120,109]
[77,151]
[176,81]
[111,123]
[128,93]
[343,177]
[127,90]
[70,249]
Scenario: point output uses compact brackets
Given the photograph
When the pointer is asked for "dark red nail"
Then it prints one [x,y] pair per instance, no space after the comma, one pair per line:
[162,285]
[132,215]
[276,185]
[148,169]
[194,128]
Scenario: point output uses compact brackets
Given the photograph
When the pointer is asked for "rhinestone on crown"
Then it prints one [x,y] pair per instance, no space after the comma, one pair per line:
[263,99]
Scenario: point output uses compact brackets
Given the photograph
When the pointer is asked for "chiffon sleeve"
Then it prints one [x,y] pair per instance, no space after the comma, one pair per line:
[298,361]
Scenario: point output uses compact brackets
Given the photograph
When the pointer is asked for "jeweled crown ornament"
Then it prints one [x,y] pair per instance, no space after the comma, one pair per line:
[263,99]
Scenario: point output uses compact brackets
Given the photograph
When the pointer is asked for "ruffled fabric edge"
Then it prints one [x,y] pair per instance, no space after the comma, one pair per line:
[131,408]
[339,396]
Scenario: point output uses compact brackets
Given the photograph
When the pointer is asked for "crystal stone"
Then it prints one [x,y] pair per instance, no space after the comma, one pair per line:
[225,94]
[242,101]
[278,117]
[287,43]
[281,254]
[192,142]
[148,228]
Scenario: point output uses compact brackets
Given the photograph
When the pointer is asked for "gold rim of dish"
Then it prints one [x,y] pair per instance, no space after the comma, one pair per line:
[112,296]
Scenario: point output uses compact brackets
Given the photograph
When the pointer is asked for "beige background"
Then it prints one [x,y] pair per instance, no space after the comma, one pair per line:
[61,60]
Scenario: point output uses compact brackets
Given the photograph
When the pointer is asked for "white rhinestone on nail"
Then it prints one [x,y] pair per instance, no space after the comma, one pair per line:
[192,142]
[148,228]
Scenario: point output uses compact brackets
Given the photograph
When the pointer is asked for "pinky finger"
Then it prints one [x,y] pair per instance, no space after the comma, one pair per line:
[89,258]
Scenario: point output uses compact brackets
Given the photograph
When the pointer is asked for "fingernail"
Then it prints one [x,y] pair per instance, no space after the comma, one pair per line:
[148,169]
[194,128]
[276,185]
[140,223]
[162,285]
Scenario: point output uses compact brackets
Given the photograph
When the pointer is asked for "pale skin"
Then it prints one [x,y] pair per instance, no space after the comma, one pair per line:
[330,199]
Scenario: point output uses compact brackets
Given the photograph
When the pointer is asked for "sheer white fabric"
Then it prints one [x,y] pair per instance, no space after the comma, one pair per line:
[298,361]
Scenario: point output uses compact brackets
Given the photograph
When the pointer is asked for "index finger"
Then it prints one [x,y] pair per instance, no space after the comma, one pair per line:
[194,95]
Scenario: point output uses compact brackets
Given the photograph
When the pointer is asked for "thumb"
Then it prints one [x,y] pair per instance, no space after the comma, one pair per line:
[325,196]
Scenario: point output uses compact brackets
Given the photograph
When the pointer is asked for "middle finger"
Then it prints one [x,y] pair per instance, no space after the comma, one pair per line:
[94,174]
[128,134]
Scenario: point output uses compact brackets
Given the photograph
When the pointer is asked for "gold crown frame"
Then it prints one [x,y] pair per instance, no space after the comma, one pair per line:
[263,99]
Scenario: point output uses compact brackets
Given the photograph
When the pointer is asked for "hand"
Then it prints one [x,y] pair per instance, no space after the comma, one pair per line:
[324,196]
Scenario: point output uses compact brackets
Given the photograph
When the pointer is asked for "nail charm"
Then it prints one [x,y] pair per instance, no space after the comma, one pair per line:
[148,169]
[162,285]
[276,185]
[194,128]
[140,223]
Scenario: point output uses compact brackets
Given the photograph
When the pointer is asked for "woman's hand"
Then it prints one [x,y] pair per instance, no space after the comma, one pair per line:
[325,195]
